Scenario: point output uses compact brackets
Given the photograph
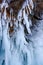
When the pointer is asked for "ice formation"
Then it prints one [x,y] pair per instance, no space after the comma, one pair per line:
[16,48]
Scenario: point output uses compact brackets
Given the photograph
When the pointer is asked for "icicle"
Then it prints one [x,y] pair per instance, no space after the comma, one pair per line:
[31,3]
[6,43]
[11,17]
[4,5]
[27,4]
[20,37]
[10,14]
[29,8]
[26,22]
[20,40]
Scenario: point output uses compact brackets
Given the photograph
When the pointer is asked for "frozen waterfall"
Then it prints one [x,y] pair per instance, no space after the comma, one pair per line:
[17,50]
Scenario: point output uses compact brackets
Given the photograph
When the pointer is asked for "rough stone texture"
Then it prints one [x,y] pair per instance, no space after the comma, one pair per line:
[38,7]
[15,5]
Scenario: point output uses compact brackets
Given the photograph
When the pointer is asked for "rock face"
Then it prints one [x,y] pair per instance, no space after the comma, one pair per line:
[38,7]
[0,1]
[37,11]
[15,5]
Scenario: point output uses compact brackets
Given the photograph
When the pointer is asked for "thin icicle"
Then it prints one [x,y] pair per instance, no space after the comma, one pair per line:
[26,22]
[31,3]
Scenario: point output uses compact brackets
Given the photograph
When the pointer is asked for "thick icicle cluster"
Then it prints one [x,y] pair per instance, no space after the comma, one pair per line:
[20,23]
